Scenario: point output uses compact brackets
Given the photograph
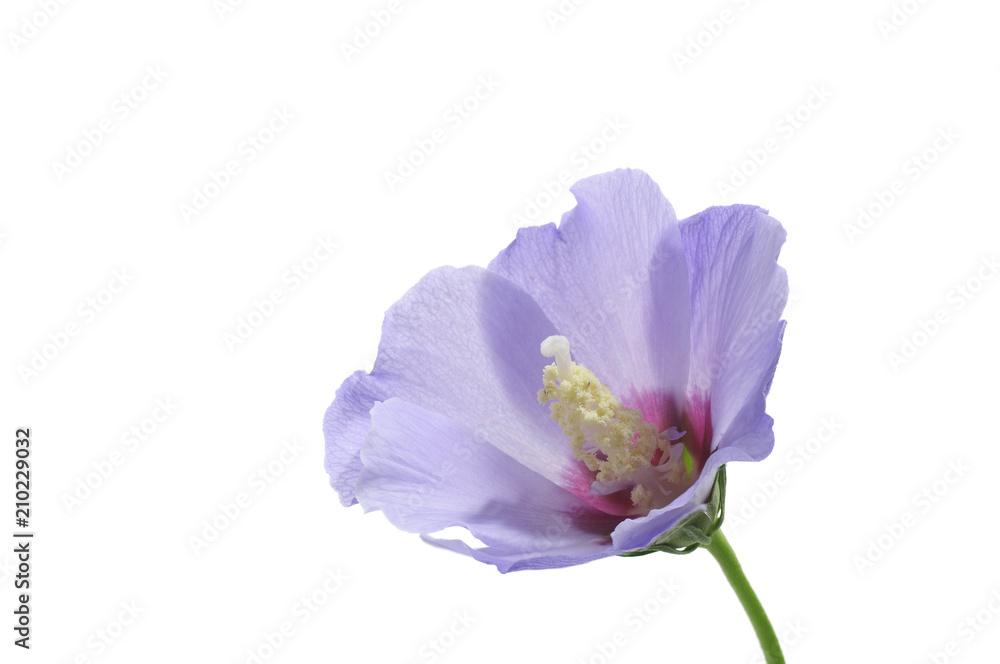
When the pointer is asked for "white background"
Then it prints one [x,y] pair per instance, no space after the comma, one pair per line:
[809,544]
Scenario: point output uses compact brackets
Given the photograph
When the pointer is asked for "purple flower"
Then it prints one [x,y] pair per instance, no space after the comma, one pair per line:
[660,339]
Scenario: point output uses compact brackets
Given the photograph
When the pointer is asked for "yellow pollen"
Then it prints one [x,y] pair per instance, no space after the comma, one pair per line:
[607,436]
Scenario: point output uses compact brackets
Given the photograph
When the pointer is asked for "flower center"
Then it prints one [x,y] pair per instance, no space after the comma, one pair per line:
[625,451]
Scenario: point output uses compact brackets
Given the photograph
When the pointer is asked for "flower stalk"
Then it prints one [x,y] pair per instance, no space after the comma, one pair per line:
[723,553]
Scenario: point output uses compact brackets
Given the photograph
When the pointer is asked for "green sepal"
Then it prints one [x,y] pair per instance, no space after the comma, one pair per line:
[694,530]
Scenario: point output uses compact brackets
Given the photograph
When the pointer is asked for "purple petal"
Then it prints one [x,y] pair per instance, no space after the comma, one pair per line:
[737,295]
[427,472]
[345,425]
[463,343]
[613,279]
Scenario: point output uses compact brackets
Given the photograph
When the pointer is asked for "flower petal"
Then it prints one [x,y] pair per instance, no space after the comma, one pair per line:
[463,343]
[613,279]
[345,425]
[427,472]
[737,295]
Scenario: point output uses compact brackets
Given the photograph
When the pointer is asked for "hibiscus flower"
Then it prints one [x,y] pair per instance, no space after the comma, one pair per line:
[577,398]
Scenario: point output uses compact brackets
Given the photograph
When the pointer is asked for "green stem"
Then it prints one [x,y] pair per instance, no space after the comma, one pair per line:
[719,547]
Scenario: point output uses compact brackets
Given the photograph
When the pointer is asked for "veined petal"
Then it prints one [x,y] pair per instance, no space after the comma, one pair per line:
[345,425]
[738,292]
[613,279]
[427,472]
[463,343]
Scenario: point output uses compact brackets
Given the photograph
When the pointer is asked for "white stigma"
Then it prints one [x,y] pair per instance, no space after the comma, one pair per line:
[557,346]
